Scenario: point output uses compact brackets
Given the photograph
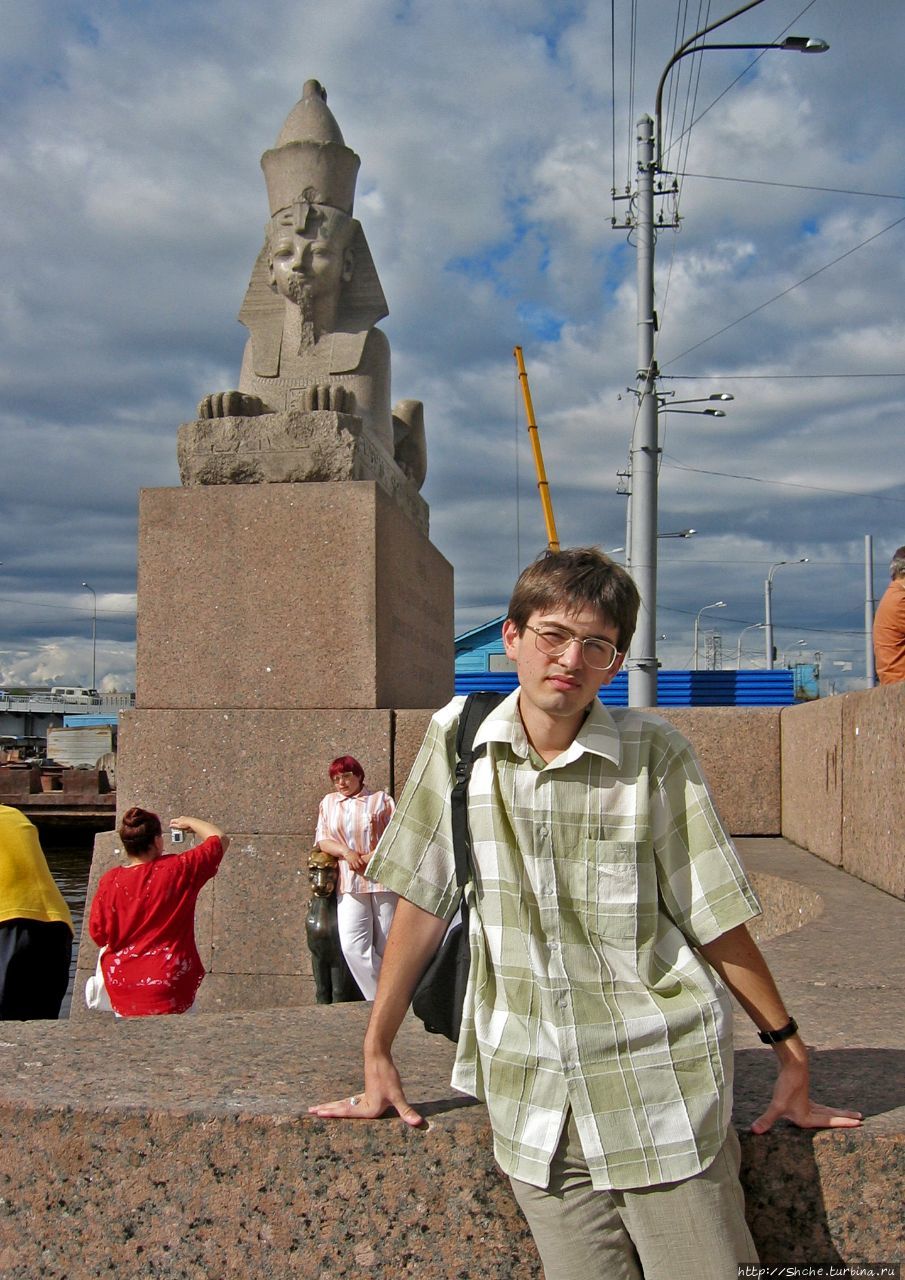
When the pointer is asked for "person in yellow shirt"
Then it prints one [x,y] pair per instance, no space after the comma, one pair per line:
[35,926]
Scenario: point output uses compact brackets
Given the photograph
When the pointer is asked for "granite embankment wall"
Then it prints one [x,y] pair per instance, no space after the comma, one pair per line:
[181,1148]
[842,764]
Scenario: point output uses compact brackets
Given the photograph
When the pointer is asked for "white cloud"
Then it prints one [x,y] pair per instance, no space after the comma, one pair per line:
[134,207]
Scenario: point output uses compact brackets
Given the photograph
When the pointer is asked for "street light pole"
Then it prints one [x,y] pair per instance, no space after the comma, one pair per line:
[643,664]
[870,666]
[88,587]
[644,454]
[768,607]
[755,626]
[718,604]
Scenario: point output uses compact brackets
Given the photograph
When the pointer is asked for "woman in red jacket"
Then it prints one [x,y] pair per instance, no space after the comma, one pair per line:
[144,914]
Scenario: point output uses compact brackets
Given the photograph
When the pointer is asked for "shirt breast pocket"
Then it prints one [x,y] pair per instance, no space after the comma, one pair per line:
[605,889]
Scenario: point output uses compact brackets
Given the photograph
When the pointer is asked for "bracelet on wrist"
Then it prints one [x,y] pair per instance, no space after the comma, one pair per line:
[777,1037]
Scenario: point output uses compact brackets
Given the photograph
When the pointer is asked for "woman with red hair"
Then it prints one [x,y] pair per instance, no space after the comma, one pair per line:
[144,914]
[351,820]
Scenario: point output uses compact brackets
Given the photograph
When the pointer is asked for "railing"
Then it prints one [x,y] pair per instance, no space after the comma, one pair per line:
[37,702]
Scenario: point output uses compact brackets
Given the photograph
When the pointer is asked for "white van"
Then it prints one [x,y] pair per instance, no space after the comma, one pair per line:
[67,694]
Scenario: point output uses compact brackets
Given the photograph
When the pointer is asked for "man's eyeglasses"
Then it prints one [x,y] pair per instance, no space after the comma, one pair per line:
[554,641]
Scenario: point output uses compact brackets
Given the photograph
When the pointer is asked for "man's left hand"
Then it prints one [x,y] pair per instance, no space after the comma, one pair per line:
[792,1101]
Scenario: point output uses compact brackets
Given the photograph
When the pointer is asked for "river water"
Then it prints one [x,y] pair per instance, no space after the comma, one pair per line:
[68,855]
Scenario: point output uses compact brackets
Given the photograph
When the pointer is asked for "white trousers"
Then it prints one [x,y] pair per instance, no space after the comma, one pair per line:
[364,921]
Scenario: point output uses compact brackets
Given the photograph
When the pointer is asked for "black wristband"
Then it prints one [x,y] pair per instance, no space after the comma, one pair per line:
[777,1037]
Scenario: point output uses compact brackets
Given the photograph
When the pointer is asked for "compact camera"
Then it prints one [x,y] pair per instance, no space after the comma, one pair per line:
[177,834]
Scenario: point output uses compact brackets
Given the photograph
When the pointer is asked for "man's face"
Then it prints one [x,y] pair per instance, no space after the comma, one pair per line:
[308,255]
[560,686]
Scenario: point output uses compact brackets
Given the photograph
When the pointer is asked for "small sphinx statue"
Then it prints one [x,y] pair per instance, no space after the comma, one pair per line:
[311,308]
[333,983]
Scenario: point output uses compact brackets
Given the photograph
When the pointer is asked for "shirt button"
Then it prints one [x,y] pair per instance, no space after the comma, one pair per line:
[554,946]
[543,832]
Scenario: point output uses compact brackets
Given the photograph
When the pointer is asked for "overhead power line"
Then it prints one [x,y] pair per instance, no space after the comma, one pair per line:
[787,484]
[767,377]
[793,186]
[797,285]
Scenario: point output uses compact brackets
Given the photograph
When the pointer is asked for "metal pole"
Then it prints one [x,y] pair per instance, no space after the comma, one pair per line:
[870,666]
[88,587]
[643,664]
[628,525]
[697,622]
[768,620]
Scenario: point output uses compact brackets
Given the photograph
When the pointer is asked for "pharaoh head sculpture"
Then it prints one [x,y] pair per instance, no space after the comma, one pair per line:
[315,252]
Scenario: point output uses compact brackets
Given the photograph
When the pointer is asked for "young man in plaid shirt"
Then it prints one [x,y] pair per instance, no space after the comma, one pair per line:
[608,920]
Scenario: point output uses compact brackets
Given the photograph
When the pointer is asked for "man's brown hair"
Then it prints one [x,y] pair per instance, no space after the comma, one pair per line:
[573,578]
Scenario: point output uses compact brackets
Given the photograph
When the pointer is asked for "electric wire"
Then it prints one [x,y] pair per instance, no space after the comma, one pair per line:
[768,377]
[791,186]
[613,96]
[675,464]
[784,293]
[633,53]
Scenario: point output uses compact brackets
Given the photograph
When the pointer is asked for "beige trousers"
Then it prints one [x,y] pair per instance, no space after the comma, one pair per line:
[690,1230]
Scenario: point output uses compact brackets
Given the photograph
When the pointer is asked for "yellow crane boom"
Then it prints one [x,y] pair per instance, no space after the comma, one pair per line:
[543,487]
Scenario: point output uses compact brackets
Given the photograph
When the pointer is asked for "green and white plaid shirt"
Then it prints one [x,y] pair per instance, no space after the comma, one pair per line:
[595,876]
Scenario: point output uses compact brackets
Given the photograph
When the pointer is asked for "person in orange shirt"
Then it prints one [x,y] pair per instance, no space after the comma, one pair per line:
[889,625]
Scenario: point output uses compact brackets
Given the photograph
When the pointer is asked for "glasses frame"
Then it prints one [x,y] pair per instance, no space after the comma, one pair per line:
[582,640]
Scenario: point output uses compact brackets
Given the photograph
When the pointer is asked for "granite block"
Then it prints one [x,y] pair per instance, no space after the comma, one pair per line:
[251,992]
[287,596]
[259,771]
[738,748]
[261,897]
[408,733]
[873,828]
[812,776]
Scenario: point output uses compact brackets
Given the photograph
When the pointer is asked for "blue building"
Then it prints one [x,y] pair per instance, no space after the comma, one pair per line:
[482,664]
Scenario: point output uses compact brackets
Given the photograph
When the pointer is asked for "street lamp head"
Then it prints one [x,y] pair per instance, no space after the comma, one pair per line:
[720,395]
[714,413]
[803,44]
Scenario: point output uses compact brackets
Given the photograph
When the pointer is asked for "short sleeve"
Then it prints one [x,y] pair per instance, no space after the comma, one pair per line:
[415,855]
[701,879]
[322,831]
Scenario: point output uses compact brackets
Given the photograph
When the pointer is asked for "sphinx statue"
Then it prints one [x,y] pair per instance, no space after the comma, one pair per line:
[311,308]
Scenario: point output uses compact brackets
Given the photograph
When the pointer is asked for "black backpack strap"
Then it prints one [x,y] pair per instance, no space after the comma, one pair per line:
[475,711]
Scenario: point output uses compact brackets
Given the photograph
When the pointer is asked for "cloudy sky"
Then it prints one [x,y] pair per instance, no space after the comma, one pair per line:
[491,134]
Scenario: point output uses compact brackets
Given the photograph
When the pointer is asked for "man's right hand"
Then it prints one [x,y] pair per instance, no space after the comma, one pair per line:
[383,1089]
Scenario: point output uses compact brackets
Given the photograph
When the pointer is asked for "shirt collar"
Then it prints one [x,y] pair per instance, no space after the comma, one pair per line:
[597,735]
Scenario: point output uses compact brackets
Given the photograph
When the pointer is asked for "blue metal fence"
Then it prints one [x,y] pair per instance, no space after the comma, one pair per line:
[674,688]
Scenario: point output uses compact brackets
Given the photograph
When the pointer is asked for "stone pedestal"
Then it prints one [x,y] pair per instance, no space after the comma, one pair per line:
[279,626]
[289,596]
